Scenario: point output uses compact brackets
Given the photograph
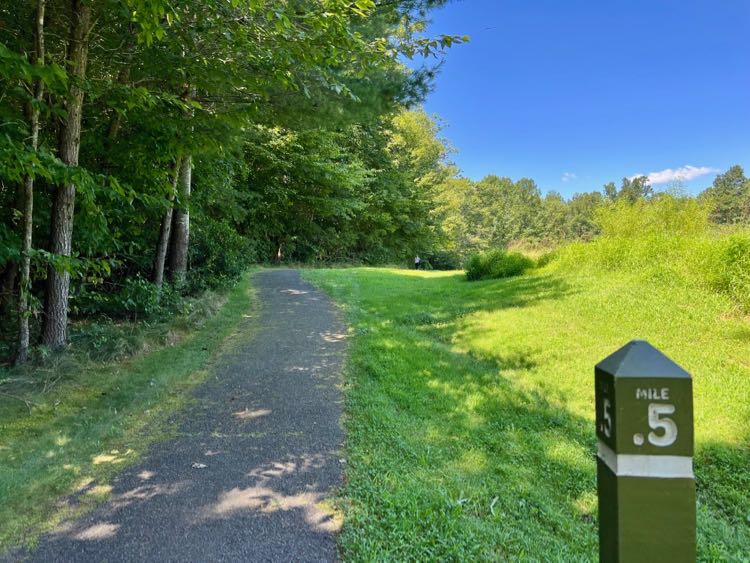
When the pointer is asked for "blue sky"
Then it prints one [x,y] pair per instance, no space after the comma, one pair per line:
[578,93]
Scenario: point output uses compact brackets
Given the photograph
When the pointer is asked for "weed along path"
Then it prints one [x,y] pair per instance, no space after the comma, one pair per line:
[256,456]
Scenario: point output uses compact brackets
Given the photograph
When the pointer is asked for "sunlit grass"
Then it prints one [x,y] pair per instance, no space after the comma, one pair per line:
[70,439]
[470,409]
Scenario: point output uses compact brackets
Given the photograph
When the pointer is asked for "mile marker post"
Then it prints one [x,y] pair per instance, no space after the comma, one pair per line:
[644,426]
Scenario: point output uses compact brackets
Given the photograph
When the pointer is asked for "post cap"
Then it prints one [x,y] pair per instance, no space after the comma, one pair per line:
[639,359]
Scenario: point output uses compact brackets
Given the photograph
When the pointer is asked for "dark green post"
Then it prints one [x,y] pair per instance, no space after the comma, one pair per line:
[644,426]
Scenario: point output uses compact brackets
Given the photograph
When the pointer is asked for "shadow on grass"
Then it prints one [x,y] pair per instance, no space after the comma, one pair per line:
[432,300]
[454,457]
[486,469]
[493,471]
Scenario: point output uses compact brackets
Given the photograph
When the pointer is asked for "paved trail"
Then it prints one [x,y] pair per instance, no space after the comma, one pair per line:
[255,456]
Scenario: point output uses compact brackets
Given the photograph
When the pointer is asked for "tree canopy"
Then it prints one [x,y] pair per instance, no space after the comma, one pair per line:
[152,148]
[145,139]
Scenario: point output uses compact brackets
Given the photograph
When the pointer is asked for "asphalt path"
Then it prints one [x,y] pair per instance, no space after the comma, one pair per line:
[256,457]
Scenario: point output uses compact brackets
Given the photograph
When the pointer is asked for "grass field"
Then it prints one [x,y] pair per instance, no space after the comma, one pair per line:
[67,428]
[470,409]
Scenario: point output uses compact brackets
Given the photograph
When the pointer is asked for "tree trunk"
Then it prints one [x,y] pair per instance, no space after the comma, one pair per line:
[160,258]
[28,203]
[8,285]
[24,283]
[178,257]
[55,330]
[9,277]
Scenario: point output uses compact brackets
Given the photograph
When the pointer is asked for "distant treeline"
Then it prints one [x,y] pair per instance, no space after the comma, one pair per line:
[497,212]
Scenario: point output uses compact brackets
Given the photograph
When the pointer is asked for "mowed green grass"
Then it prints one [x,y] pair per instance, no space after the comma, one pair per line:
[58,455]
[470,409]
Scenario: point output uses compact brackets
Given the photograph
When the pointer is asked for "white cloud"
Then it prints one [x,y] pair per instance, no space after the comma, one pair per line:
[682,174]
[568,176]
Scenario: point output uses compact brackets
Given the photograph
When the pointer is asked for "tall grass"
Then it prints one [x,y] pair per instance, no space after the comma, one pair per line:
[668,240]
[470,406]
[497,264]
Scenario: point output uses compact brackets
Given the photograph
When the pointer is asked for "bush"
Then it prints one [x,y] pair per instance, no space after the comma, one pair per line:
[443,260]
[497,264]
[546,258]
[218,255]
[138,298]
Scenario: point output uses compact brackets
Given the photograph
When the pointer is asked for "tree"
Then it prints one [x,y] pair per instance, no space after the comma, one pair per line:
[554,218]
[300,106]
[55,328]
[631,189]
[181,223]
[729,197]
[582,210]
[505,211]
[28,193]
[160,256]
[454,215]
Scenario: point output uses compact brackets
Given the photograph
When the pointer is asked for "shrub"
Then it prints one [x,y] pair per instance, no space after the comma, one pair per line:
[218,255]
[444,260]
[497,264]
[474,267]
[137,298]
[658,239]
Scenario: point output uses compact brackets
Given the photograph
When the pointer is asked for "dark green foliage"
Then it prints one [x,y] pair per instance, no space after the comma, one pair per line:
[219,255]
[497,264]
[137,298]
[581,214]
[364,193]
[294,115]
[443,260]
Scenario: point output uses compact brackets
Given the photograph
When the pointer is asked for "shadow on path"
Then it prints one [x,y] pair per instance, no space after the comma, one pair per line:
[256,455]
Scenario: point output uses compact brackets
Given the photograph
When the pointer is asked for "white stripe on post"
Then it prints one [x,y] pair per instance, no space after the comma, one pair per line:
[659,466]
